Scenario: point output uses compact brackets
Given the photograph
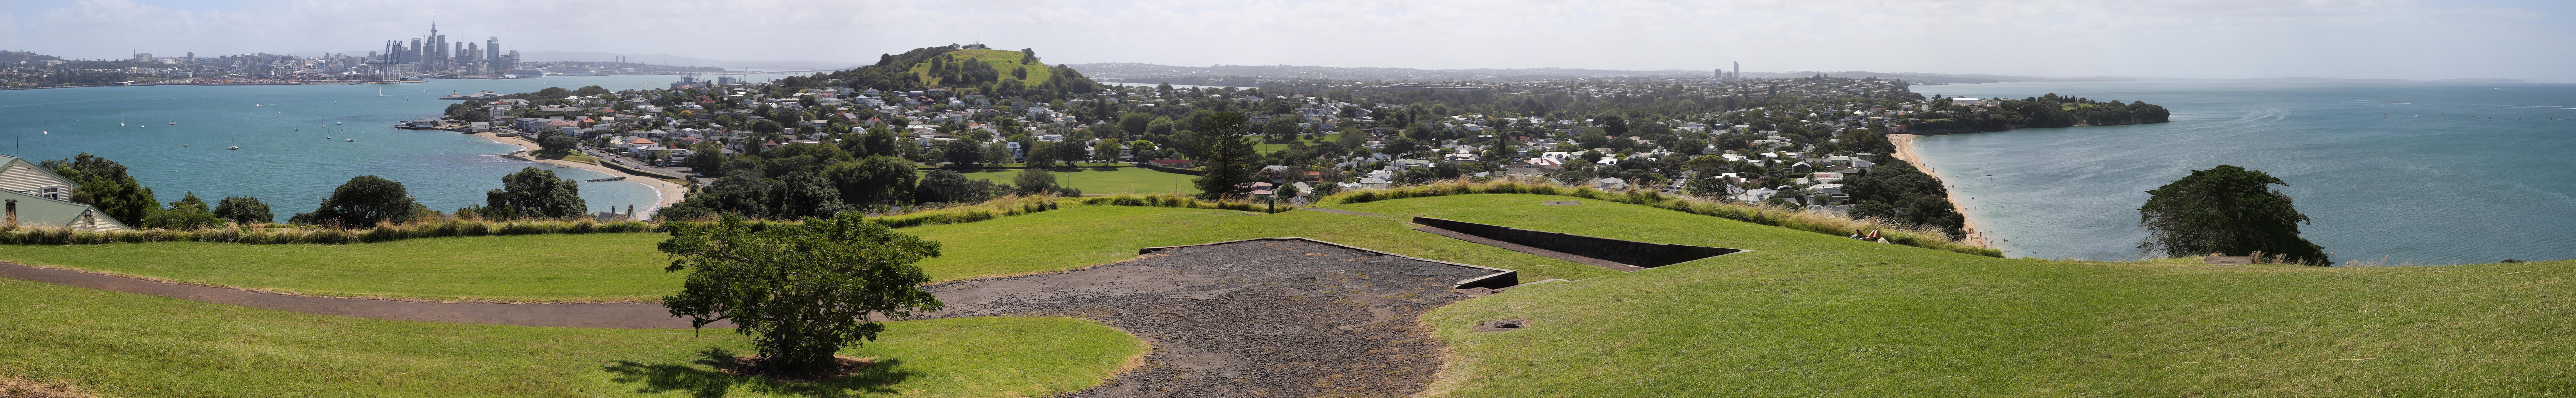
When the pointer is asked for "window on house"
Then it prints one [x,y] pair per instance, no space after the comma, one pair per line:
[54,192]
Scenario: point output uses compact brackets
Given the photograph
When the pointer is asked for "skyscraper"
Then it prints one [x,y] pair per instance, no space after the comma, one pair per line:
[492,49]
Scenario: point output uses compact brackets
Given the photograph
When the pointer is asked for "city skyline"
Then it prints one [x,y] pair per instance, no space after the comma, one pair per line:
[2148,39]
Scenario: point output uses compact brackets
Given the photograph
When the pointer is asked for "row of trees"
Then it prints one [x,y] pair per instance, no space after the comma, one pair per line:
[530,193]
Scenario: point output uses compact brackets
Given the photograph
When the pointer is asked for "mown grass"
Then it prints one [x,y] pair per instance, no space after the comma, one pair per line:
[1119,180]
[1001,60]
[118,344]
[626,267]
[1269,147]
[1804,314]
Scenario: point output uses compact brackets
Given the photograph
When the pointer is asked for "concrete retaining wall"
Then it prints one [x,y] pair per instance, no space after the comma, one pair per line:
[1629,252]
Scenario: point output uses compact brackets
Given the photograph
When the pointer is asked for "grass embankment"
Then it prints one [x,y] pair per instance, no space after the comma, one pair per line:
[626,267]
[118,344]
[1810,221]
[1804,314]
[1120,180]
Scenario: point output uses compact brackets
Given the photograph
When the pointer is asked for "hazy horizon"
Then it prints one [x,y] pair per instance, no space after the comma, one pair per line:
[2192,39]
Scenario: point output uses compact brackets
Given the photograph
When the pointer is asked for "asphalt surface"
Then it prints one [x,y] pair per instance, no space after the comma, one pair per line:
[1276,318]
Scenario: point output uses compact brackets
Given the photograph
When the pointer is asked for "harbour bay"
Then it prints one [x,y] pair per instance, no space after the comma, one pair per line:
[2433,173]
[285,158]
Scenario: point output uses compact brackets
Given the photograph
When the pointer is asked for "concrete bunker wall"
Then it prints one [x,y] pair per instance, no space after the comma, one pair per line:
[1641,254]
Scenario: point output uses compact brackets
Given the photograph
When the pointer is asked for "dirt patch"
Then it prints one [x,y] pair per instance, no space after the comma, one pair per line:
[1502,325]
[1254,318]
[12,387]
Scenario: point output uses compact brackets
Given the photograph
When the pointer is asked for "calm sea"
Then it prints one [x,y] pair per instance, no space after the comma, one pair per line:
[284,157]
[2430,172]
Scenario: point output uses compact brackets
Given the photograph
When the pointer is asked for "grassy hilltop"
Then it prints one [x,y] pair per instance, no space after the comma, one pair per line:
[1800,314]
[1001,60]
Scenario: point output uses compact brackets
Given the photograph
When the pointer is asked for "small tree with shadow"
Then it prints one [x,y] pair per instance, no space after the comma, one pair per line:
[801,291]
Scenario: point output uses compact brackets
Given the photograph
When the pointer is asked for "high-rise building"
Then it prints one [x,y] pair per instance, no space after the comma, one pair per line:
[492,48]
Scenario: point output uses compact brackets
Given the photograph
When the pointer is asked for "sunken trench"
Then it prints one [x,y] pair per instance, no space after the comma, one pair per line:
[1281,317]
[1615,254]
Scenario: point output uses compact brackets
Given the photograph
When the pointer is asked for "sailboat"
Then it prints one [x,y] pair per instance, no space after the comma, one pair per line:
[174,123]
[120,121]
[380,91]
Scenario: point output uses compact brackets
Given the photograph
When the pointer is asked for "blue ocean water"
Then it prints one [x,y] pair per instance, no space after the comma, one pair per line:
[2430,172]
[284,157]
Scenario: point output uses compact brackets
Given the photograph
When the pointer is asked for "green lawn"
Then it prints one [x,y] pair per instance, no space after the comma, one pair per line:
[1121,180]
[118,344]
[1268,148]
[591,267]
[1001,60]
[1810,315]
[626,267]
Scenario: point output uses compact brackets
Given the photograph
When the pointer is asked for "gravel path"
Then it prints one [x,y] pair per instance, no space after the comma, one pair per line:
[1278,318]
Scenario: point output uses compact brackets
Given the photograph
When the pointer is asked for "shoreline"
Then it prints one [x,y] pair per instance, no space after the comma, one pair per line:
[665,193]
[1905,151]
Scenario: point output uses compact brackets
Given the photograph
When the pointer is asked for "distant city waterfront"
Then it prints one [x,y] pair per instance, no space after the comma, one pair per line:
[2430,172]
[284,157]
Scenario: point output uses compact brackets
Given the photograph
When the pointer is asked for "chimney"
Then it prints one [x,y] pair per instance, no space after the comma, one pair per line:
[13,214]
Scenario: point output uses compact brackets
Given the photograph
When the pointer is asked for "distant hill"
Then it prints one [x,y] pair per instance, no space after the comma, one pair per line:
[1241,75]
[968,69]
[675,60]
[15,56]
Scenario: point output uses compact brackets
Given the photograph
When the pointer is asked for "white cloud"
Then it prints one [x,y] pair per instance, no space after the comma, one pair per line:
[2178,38]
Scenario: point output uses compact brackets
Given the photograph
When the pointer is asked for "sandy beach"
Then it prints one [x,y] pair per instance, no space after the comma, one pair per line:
[665,193]
[1905,151]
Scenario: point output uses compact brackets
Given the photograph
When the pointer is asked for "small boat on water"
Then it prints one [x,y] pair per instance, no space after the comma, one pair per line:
[234,147]
[350,140]
[174,123]
[183,145]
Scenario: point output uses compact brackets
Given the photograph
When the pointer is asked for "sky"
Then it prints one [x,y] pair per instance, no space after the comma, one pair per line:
[2403,39]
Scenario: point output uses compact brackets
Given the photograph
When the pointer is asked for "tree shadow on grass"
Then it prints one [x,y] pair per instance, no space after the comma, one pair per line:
[702,378]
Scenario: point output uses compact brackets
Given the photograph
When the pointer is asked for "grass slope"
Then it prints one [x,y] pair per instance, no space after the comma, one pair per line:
[1809,315]
[118,344]
[1120,180]
[625,267]
[585,267]
[1001,60]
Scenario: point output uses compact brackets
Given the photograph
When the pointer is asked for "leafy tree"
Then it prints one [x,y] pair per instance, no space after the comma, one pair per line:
[801,291]
[1135,123]
[2227,210]
[1904,194]
[365,201]
[946,186]
[104,185]
[1105,150]
[186,214]
[556,142]
[1034,181]
[1041,154]
[590,91]
[1223,155]
[873,181]
[963,152]
[244,210]
[535,193]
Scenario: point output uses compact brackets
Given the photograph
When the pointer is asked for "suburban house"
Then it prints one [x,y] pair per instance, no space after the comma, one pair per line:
[36,197]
